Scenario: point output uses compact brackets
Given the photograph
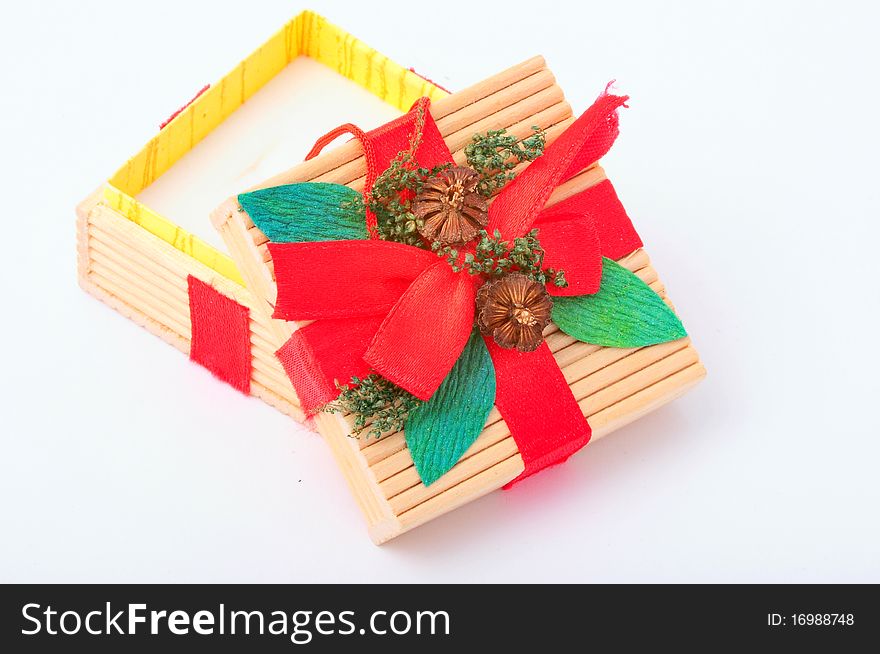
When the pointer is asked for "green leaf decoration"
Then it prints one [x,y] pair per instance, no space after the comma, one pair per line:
[624,313]
[313,211]
[439,431]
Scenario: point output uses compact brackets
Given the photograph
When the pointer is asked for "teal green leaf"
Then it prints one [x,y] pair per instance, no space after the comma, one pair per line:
[312,211]
[441,430]
[624,313]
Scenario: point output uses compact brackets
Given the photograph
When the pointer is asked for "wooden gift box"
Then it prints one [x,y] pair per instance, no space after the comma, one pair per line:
[613,386]
[139,262]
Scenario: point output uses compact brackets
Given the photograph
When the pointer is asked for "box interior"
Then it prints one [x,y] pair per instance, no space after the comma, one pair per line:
[270,133]
[261,118]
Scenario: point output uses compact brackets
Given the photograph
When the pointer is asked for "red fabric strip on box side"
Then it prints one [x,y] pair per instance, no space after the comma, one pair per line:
[220,334]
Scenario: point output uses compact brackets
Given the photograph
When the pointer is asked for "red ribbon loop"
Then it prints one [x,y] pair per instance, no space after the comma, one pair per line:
[343,279]
[583,143]
[424,334]
[582,264]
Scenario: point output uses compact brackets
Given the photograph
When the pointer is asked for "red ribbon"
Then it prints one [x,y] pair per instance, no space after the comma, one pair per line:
[404,313]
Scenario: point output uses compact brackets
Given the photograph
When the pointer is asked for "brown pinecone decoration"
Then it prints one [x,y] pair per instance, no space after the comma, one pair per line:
[514,311]
[451,208]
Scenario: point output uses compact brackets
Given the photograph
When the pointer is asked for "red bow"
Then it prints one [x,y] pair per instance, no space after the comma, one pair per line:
[400,311]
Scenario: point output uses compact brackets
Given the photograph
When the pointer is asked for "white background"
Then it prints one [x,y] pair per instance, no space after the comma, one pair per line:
[748,160]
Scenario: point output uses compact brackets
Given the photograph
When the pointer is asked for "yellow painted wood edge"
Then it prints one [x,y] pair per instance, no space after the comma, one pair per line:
[207,112]
[161,227]
[329,44]
[309,34]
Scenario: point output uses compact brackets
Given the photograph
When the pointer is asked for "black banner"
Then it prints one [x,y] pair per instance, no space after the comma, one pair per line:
[431,618]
